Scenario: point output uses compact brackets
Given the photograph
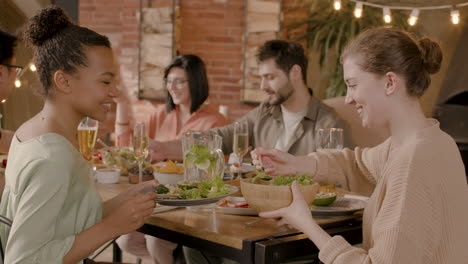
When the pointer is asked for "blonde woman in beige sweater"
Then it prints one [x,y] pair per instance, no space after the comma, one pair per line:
[418,206]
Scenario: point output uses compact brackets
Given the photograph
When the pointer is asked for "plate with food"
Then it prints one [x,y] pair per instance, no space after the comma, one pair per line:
[346,205]
[186,193]
[168,172]
[235,206]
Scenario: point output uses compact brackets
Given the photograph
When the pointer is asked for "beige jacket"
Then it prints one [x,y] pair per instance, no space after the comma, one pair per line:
[266,126]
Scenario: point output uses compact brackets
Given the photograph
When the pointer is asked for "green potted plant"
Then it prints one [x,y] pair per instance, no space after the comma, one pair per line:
[328,30]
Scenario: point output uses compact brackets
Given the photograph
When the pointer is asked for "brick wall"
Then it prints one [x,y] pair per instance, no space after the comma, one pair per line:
[211,29]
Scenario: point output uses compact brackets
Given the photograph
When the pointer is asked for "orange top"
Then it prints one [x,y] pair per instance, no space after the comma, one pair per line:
[163,126]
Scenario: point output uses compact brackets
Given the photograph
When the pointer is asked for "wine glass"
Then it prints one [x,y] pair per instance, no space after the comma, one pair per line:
[87,133]
[329,139]
[240,145]
[140,146]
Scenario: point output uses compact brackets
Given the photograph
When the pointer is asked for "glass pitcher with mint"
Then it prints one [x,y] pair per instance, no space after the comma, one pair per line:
[203,157]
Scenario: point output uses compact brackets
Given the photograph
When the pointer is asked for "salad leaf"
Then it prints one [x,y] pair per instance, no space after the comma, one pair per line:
[191,194]
[263,178]
[162,189]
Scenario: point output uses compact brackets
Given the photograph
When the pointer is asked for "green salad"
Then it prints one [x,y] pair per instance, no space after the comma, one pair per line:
[192,190]
[263,178]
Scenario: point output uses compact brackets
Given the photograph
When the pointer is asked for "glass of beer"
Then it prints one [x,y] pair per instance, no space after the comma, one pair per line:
[240,145]
[140,146]
[87,133]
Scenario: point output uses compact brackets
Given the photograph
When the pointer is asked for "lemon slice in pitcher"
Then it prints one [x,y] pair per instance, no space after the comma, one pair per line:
[324,198]
[203,165]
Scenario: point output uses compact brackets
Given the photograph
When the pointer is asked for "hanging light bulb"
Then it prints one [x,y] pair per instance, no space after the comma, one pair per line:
[32,67]
[455,14]
[337,4]
[358,9]
[3,101]
[17,83]
[413,17]
[386,15]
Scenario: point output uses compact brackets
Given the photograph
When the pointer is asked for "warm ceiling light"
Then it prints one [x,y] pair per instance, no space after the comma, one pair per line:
[337,4]
[33,68]
[17,84]
[455,14]
[386,15]
[413,17]
[358,9]
[4,100]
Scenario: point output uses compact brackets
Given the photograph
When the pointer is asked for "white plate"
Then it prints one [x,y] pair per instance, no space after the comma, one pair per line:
[193,202]
[163,208]
[236,210]
[341,206]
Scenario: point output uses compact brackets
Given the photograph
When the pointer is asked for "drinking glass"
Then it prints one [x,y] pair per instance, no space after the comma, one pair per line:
[240,145]
[328,139]
[140,146]
[87,133]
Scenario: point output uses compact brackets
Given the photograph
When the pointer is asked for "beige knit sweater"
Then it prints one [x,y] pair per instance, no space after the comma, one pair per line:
[418,208]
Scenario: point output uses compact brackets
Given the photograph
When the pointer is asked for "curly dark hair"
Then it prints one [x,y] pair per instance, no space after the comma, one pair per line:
[286,55]
[59,44]
[196,76]
[7,46]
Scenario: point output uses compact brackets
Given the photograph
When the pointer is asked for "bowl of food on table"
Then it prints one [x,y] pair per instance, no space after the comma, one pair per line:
[265,193]
[168,172]
[146,174]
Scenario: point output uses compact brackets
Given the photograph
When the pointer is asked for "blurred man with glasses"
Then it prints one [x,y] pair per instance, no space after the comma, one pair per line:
[8,73]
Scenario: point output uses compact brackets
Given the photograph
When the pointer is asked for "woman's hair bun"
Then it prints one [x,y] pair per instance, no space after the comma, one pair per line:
[44,25]
[431,55]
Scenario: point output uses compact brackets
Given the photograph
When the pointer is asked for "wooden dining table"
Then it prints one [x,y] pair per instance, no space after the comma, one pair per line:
[228,235]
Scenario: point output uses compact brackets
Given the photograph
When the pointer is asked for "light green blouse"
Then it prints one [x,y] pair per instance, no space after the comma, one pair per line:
[50,198]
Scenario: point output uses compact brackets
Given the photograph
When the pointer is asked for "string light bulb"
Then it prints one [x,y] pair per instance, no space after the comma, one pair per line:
[3,101]
[455,16]
[32,67]
[413,18]
[17,83]
[414,15]
[337,4]
[358,9]
[386,15]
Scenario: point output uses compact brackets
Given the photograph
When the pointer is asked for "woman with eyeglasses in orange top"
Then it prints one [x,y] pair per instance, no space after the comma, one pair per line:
[187,85]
